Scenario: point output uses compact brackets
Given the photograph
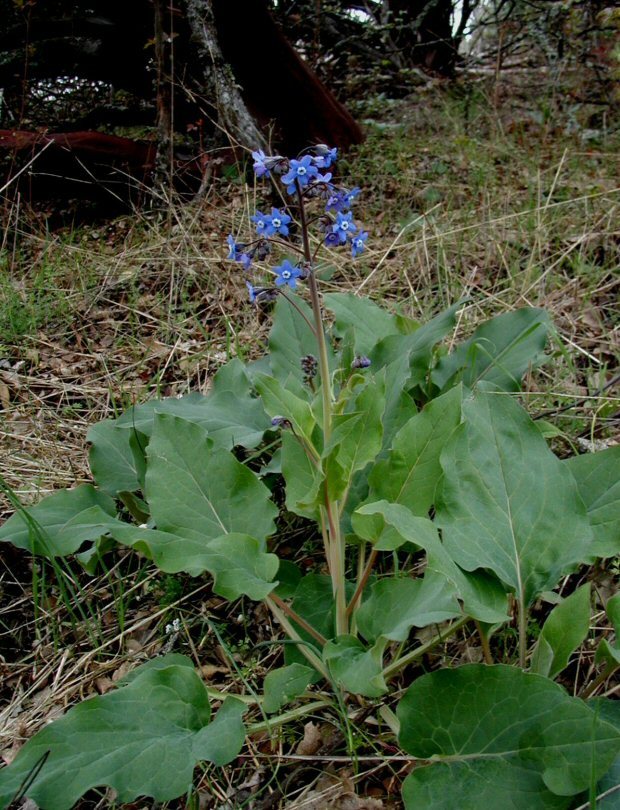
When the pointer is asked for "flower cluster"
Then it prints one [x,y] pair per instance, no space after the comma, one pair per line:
[306,178]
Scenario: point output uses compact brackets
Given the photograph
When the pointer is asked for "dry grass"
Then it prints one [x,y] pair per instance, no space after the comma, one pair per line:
[462,197]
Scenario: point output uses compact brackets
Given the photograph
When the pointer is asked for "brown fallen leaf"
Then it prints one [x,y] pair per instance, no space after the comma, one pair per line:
[311,742]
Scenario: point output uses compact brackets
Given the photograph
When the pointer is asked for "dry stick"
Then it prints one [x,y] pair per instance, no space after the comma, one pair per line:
[600,679]
[23,169]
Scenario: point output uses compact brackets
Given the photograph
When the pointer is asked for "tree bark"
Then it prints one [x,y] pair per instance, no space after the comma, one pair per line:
[232,114]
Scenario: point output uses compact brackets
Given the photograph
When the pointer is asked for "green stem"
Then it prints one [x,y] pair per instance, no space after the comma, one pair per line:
[287,717]
[362,581]
[414,655]
[522,633]
[336,543]
[297,618]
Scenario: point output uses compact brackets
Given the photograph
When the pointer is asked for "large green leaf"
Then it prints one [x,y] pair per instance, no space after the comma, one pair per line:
[196,489]
[354,667]
[230,413]
[598,480]
[111,459]
[608,789]
[60,523]
[482,595]
[507,503]
[396,605]
[411,470]
[564,630]
[142,739]
[500,738]
[500,351]
[418,345]
[370,322]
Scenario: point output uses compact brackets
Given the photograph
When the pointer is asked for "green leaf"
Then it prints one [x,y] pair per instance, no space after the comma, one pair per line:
[279,401]
[60,523]
[356,437]
[510,739]
[607,652]
[354,667]
[371,323]
[230,414]
[411,471]
[302,478]
[482,595]
[314,602]
[598,480]
[237,562]
[291,337]
[396,605]
[507,503]
[142,739]
[608,789]
[197,490]
[285,684]
[566,627]
[500,351]
[111,459]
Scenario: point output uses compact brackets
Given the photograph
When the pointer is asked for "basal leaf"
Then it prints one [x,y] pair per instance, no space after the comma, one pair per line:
[230,413]
[111,459]
[563,632]
[142,739]
[608,651]
[193,487]
[411,471]
[283,685]
[237,562]
[395,605]
[500,351]
[507,503]
[482,595]
[371,323]
[598,480]
[508,739]
[354,667]
[61,522]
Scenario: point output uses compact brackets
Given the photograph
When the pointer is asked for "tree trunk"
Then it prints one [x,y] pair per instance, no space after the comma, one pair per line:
[232,114]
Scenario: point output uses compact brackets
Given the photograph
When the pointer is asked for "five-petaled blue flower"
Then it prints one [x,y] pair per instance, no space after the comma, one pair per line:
[260,167]
[344,226]
[261,221]
[341,200]
[286,273]
[357,243]
[277,222]
[303,171]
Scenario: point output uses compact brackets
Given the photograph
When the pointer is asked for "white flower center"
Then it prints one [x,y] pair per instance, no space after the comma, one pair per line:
[286,274]
[344,225]
[301,170]
[276,222]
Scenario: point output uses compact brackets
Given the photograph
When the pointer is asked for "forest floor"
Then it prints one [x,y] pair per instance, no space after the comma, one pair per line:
[481,192]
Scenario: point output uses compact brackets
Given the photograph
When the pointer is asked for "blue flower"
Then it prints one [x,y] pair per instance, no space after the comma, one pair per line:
[286,273]
[260,167]
[302,171]
[324,156]
[236,252]
[277,222]
[332,240]
[357,243]
[344,226]
[262,222]
[341,200]
[251,291]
